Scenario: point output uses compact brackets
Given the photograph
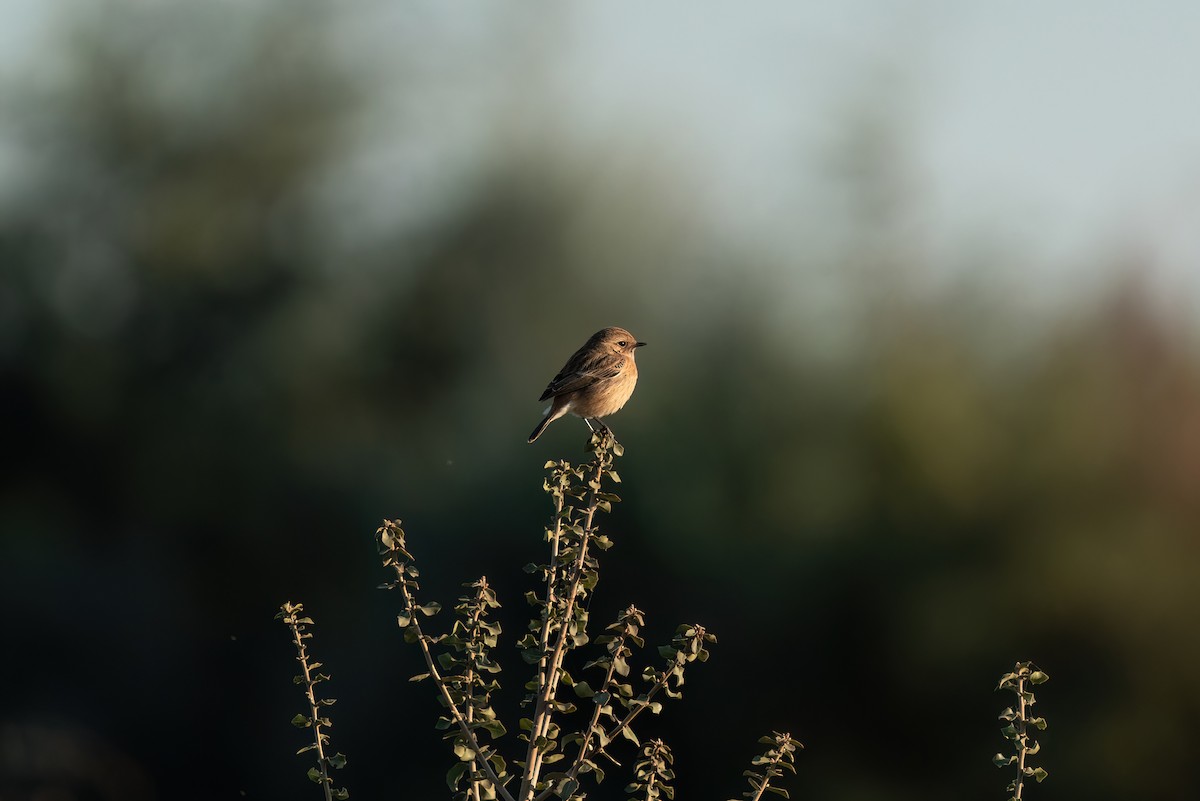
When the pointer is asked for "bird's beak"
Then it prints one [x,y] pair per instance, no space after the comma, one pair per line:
[640,345]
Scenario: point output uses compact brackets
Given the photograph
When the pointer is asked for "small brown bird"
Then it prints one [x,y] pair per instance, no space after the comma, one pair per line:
[595,382]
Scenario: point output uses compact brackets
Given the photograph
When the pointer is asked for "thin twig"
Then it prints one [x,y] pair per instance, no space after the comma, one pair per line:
[469,679]
[1022,729]
[548,680]
[610,735]
[593,724]
[314,710]
[410,606]
[771,771]
[544,641]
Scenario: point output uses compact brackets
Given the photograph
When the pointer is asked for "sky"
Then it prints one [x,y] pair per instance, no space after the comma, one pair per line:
[1066,126]
[1071,128]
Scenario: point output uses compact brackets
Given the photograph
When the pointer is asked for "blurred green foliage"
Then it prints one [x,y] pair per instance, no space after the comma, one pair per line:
[216,378]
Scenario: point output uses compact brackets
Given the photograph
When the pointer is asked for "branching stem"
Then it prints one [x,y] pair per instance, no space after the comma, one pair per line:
[464,724]
[550,670]
[772,770]
[469,680]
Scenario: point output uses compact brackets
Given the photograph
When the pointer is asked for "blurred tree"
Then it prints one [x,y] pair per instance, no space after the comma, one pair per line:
[212,399]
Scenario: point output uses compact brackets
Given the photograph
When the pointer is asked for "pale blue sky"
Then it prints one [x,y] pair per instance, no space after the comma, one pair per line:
[1066,126]
[1070,128]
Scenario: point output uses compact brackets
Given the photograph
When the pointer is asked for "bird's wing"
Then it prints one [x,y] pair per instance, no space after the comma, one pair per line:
[576,376]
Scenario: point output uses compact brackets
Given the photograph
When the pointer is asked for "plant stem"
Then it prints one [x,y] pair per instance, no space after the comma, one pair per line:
[612,733]
[527,781]
[1021,737]
[548,676]
[593,724]
[772,770]
[463,724]
[314,710]
[469,677]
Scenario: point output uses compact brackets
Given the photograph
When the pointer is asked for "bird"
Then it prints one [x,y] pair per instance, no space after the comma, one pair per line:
[595,382]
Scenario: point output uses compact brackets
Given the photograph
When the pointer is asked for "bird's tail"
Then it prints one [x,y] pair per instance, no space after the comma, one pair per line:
[537,432]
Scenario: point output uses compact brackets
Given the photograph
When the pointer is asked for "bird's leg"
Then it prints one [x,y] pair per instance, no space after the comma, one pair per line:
[601,427]
[604,429]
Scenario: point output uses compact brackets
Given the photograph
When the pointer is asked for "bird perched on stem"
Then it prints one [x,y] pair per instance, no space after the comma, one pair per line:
[595,382]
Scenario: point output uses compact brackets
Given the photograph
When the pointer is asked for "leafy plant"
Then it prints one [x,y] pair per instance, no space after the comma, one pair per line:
[290,614]
[1017,723]
[463,672]
[652,772]
[780,756]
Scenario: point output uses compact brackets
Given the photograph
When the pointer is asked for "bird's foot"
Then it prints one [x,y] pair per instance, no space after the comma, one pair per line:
[602,435]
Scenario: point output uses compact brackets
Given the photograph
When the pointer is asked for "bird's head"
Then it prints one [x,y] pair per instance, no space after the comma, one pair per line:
[617,340]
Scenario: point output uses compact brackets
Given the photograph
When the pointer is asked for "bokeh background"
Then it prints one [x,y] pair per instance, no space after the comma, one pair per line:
[921,397]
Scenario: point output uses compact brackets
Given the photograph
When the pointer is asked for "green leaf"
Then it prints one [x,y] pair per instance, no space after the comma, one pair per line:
[338,760]
[314,775]
[430,609]
[1002,761]
[302,722]
[1040,775]
[584,690]
[494,728]
[1038,677]
[454,775]
[566,788]
[403,619]
[341,794]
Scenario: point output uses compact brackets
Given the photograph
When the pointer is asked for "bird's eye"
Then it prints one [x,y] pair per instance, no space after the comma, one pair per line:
[622,343]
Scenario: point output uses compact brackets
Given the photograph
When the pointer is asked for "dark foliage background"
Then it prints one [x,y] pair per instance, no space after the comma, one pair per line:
[237,330]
